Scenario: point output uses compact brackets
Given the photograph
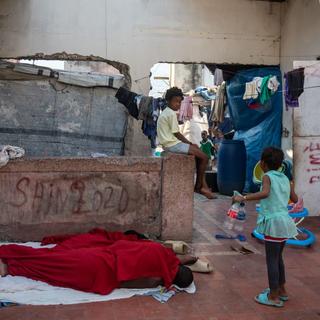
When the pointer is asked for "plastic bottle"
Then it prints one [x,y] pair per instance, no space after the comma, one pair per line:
[241,218]
[231,217]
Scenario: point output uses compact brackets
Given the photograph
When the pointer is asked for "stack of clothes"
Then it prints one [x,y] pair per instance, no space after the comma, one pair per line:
[143,108]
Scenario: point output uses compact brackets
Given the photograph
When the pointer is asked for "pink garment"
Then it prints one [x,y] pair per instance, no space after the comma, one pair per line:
[297,207]
[186,109]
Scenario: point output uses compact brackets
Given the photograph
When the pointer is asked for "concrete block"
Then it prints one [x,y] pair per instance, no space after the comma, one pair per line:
[177,197]
[41,197]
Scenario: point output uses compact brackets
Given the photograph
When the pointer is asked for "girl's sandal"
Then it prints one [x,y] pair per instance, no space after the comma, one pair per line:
[263,298]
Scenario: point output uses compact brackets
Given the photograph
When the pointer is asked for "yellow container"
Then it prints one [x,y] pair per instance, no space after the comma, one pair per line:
[258,173]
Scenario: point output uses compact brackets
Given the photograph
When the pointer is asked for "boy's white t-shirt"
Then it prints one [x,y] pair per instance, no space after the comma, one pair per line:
[166,127]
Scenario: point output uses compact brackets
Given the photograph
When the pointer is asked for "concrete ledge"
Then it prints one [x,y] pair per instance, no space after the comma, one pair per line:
[177,197]
[58,195]
[111,164]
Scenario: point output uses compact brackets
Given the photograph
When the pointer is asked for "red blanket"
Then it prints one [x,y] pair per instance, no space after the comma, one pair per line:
[97,261]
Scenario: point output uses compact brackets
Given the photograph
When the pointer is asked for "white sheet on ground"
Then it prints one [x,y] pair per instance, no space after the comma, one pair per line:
[26,291]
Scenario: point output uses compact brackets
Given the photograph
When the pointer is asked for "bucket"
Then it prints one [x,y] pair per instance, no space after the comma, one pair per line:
[258,173]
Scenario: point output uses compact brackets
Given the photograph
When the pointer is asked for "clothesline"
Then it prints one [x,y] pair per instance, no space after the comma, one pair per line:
[281,91]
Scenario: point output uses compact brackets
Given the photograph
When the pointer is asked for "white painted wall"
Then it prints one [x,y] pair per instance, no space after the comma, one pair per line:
[144,32]
[306,140]
[300,40]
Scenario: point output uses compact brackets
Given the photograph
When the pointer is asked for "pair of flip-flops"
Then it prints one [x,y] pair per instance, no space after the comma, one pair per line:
[201,266]
[179,247]
[263,298]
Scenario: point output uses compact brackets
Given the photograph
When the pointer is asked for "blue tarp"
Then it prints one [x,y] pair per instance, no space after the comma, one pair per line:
[258,128]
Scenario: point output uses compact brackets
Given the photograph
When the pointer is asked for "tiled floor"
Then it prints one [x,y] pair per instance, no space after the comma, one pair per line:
[226,294]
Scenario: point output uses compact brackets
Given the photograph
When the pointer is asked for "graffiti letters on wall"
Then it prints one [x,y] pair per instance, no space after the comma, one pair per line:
[313,165]
[34,197]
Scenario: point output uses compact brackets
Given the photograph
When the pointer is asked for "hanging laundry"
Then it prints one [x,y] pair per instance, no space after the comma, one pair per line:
[127,98]
[294,84]
[149,129]
[290,102]
[137,99]
[149,125]
[205,110]
[155,109]
[198,100]
[269,86]
[273,84]
[161,103]
[265,94]
[258,81]
[218,77]
[145,107]
[206,93]
[253,104]
[251,91]
[262,88]
[186,110]
[217,113]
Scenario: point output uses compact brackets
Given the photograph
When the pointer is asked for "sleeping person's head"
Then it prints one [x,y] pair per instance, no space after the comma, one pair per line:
[184,277]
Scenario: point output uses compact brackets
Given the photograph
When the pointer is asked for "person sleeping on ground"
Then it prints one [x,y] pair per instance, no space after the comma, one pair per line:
[97,262]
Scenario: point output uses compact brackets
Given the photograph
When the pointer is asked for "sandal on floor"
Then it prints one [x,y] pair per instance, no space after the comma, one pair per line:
[282,298]
[179,247]
[201,266]
[263,298]
[4,303]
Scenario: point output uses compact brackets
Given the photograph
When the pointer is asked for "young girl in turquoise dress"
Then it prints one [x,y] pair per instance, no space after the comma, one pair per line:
[274,223]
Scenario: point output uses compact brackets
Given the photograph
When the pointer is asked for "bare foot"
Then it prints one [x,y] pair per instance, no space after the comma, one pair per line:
[207,193]
[274,296]
[283,291]
[275,300]
[3,269]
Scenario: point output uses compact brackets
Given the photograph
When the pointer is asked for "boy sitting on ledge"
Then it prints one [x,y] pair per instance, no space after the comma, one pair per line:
[173,141]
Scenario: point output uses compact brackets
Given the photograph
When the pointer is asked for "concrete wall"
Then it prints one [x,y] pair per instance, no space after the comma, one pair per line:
[141,33]
[187,76]
[48,118]
[306,140]
[52,196]
[300,40]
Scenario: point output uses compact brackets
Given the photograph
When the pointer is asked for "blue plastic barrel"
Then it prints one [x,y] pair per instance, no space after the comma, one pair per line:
[232,161]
